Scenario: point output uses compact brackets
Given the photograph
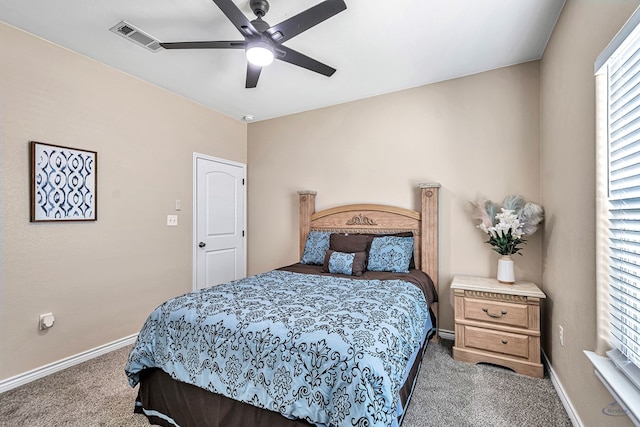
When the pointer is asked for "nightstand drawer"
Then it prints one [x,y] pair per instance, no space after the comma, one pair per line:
[496,341]
[500,312]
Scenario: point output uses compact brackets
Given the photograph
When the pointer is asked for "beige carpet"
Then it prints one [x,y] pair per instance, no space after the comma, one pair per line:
[448,393]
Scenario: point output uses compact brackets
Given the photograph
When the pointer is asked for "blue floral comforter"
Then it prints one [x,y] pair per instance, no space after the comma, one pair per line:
[332,351]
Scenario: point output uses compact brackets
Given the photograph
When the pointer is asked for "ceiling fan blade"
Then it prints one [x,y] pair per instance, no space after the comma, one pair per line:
[236,44]
[237,18]
[253,73]
[291,56]
[304,20]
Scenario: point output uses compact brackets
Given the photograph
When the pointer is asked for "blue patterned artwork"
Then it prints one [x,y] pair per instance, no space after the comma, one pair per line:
[63,183]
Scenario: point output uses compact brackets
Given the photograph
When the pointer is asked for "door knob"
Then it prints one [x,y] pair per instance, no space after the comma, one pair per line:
[202,244]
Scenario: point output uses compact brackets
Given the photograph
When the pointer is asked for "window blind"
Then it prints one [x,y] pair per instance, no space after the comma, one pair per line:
[623,71]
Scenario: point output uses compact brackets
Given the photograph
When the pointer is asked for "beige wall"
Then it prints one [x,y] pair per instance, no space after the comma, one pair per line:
[568,194]
[525,129]
[100,279]
[476,136]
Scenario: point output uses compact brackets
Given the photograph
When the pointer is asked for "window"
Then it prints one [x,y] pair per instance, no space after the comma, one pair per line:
[618,217]
[623,84]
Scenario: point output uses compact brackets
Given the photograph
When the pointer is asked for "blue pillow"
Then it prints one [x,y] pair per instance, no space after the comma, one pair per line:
[315,247]
[390,253]
[349,263]
[341,262]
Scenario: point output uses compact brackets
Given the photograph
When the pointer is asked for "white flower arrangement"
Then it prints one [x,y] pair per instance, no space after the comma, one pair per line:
[507,228]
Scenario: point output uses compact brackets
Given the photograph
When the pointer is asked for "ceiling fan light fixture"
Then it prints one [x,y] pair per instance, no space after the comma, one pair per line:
[260,53]
[262,42]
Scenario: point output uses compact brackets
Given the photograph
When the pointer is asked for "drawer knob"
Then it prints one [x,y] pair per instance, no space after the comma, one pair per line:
[495,316]
[504,341]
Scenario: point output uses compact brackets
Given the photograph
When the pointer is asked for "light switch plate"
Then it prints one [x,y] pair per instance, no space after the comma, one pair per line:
[172,220]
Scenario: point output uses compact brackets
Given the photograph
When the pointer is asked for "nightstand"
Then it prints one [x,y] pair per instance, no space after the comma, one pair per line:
[497,323]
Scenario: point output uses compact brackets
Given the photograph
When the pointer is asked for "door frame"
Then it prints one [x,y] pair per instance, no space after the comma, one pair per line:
[194,207]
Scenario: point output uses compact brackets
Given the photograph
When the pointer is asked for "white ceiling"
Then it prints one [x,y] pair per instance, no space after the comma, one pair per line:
[377,46]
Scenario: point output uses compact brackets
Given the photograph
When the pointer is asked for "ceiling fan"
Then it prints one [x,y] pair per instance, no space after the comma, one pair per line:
[263,43]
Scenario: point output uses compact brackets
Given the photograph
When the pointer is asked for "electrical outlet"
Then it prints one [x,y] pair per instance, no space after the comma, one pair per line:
[46,321]
[172,220]
[561,334]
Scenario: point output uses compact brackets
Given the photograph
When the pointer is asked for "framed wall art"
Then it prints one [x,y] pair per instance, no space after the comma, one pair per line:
[63,183]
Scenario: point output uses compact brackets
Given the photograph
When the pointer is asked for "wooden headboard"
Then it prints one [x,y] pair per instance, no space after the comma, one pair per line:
[370,218]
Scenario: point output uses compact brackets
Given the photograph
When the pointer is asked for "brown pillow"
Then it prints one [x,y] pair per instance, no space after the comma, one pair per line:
[357,267]
[400,234]
[350,243]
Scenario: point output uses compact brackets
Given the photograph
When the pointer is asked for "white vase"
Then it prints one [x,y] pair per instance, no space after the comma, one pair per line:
[506,270]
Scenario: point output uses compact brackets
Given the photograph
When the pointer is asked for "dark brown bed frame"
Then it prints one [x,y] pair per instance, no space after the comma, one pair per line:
[190,406]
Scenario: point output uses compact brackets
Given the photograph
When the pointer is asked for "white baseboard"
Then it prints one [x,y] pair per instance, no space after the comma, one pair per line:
[566,402]
[447,335]
[27,377]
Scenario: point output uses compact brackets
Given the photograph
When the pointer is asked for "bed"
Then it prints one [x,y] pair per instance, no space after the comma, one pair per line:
[336,339]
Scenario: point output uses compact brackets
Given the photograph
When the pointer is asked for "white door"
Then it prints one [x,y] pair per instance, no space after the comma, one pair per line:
[219,232]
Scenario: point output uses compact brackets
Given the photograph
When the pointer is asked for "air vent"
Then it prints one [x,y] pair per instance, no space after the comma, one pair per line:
[135,35]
